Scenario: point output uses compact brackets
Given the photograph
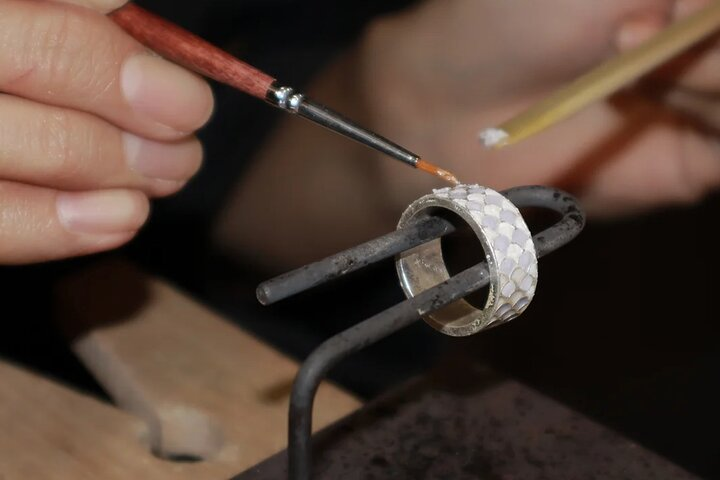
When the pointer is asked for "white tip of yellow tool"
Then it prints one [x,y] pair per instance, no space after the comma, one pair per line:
[493,137]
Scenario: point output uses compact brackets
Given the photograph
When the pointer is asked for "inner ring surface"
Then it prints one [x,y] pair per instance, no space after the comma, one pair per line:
[424,267]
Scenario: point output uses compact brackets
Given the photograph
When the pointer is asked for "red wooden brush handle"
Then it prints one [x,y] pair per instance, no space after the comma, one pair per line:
[191,51]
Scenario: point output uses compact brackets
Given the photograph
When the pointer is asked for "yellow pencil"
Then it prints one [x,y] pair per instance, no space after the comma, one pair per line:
[606,79]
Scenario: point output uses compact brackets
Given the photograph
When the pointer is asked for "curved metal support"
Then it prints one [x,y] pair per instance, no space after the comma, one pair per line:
[368,332]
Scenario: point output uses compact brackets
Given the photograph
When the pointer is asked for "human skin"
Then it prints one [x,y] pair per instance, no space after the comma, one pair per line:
[91,127]
[433,76]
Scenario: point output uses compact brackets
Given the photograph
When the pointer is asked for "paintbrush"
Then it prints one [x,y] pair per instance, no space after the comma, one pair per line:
[606,79]
[198,55]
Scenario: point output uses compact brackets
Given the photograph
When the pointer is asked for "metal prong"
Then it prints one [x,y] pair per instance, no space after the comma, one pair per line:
[423,231]
[350,260]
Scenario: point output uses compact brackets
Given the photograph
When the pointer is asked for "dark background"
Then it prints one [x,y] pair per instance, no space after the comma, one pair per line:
[624,327]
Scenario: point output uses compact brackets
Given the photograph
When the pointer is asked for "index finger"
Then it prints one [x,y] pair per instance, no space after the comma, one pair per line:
[76,58]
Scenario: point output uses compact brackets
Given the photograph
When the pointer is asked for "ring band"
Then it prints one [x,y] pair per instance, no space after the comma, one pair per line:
[509,250]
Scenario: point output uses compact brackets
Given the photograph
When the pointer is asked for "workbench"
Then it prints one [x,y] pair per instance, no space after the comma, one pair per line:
[193,395]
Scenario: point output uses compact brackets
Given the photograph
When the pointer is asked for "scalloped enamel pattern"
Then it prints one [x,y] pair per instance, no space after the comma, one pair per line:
[512,245]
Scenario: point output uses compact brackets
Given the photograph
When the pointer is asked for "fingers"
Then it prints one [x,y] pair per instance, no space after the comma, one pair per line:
[690,84]
[619,157]
[637,30]
[644,176]
[72,57]
[102,6]
[702,107]
[697,70]
[683,8]
[91,124]
[71,150]
[38,224]
[646,156]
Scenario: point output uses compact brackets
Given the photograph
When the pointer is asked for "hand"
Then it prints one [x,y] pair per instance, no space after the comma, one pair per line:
[91,126]
[432,77]
[437,74]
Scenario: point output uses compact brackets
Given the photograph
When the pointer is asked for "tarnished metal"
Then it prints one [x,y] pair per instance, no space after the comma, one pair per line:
[351,260]
[395,318]
[425,230]
[354,339]
[399,316]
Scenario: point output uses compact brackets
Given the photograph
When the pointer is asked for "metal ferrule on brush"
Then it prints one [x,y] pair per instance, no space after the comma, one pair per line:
[286,99]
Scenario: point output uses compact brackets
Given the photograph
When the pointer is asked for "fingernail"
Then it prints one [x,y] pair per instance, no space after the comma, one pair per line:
[166,93]
[103,212]
[163,188]
[162,161]
[636,31]
[683,8]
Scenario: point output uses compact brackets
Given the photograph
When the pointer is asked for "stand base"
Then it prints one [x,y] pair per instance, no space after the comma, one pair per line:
[478,426]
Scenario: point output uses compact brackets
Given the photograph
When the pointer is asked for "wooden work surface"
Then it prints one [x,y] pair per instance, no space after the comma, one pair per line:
[186,384]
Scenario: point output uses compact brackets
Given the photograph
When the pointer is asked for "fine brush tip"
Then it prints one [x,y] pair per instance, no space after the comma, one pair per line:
[494,137]
[437,171]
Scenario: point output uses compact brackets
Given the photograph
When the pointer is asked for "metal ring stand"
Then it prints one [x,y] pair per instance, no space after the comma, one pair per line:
[375,328]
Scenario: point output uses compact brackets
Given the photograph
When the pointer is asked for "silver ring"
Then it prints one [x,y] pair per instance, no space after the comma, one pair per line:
[509,250]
